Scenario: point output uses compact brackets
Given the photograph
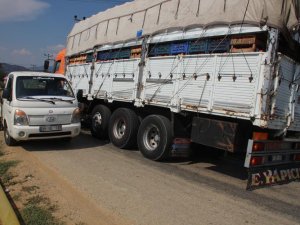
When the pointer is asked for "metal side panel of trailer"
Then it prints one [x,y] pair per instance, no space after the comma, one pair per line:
[80,75]
[115,80]
[285,108]
[216,84]
[236,85]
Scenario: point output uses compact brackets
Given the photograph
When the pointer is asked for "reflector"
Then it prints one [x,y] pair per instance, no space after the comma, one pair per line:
[257,146]
[256,160]
[260,136]
[297,157]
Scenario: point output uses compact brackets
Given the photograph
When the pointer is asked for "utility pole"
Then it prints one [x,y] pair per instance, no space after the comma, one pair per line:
[47,61]
[48,56]
[33,67]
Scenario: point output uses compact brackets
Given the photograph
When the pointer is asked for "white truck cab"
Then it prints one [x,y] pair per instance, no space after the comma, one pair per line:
[37,105]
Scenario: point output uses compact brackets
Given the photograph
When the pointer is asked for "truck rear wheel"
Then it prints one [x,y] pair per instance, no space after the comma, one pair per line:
[155,137]
[123,127]
[8,139]
[100,120]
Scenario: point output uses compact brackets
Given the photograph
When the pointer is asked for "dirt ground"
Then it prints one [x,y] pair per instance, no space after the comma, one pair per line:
[92,182]
[31,178]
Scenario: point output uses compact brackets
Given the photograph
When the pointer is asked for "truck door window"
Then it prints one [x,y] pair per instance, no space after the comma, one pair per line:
[9,85]
[57,65]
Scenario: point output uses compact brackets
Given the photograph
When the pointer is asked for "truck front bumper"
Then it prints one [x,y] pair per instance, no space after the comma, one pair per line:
[23,133]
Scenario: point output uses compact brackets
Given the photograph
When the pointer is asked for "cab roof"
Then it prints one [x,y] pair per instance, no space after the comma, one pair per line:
[35,73]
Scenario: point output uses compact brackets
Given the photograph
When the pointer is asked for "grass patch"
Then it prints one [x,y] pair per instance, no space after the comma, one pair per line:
[39,211]
[1,153]
[38,215]
[41,201]
[30,189]
[52,207]
[4,166]
[37,200]
[7,179]
[6,176]
[16,197]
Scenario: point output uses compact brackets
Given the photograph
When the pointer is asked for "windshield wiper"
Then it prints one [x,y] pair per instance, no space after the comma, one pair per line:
[38,99]
[63,100]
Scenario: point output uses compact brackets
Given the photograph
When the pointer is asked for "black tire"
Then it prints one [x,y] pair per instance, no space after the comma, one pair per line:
[100,120]
[123,127]
[155,137]
[8,139]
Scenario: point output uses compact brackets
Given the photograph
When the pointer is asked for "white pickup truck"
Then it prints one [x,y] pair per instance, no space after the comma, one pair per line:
[38,105]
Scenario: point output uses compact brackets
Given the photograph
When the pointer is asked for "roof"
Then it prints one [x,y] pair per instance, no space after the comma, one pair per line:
[35,73]
[123,22]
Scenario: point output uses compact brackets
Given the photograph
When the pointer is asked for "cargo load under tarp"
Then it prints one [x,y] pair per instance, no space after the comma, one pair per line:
[144,17]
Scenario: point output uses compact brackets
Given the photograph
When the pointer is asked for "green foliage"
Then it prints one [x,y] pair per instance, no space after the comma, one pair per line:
[37,199]
[7,179]
[4,166]
[39,211]
[37,215]
[6,176]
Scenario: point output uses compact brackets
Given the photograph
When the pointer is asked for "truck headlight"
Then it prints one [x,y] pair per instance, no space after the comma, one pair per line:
[20,118]
[76,116]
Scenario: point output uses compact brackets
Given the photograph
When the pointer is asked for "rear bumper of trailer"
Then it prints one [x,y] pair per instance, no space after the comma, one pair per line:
[272,162]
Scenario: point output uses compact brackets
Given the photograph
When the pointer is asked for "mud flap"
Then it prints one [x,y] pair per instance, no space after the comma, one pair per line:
[272,175]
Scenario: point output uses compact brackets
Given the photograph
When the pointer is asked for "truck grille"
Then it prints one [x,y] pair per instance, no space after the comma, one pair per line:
[38,120]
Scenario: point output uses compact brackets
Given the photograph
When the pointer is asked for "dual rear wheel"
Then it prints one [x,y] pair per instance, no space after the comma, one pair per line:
[123,127]
[153,135]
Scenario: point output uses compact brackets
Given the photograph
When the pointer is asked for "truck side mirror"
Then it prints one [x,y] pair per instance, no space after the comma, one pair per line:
[6,94]
[46,65]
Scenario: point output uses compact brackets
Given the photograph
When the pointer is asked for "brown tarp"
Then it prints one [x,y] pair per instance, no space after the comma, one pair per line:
[153,16]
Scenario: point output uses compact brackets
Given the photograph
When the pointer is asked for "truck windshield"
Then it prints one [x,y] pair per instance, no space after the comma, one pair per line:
[42,86]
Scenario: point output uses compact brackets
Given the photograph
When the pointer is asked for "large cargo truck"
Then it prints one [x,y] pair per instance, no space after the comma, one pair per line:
[163,74]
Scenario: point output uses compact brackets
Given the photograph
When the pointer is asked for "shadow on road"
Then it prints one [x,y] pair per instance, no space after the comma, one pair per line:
[202,157]
[215,160]
[83,141]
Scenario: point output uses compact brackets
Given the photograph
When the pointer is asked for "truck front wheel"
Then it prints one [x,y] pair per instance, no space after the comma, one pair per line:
[123,127]
[155,137]
[100,119]
[8,139]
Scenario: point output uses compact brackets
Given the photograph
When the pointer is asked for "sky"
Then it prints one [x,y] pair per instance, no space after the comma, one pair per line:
[32,29]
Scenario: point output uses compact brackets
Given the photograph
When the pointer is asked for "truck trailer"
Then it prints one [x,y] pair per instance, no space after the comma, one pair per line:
[163,74]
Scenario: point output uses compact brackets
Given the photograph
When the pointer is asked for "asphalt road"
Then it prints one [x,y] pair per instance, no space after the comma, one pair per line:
[205,190]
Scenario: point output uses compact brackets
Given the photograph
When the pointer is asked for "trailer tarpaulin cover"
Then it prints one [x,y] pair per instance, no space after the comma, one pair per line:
[149,17]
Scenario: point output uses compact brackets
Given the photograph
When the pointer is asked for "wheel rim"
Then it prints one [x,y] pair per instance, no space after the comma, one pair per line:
[97,120]
[119,128]
[151,138]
